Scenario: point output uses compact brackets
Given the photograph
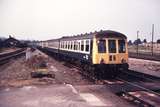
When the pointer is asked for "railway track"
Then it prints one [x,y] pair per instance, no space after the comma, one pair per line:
[139,76]
[131,85]
[4,58]
[149,99]
[142,95]
[146,56]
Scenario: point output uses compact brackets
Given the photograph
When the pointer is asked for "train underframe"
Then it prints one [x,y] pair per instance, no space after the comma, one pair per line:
[109,70]
[104,71]
[98,71]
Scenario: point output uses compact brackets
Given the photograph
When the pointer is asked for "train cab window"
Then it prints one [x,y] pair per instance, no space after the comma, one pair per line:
[112,46]
[87,46]
[121,46]
[82,45]
[101,46]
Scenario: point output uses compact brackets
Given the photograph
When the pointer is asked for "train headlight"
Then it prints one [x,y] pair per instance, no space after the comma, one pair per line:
[102,61]
[123,60]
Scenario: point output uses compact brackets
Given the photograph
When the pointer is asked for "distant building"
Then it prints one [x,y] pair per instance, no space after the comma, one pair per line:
[11,42]
[149,44]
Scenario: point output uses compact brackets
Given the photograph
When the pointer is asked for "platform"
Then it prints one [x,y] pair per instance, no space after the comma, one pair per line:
[145,66]
[60,96]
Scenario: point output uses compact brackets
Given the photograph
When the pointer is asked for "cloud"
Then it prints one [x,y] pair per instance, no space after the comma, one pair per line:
[47,19]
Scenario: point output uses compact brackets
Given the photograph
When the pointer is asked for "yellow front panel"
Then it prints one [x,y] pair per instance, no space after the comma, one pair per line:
[97,57]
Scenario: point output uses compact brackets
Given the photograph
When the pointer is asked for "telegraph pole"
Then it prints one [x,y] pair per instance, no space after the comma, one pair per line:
[137,41]
[152,37]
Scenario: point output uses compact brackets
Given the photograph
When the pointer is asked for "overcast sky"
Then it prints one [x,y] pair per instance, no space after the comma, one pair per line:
[48,19]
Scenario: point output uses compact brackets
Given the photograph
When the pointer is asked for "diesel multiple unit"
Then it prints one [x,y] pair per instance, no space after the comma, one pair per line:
[102,53]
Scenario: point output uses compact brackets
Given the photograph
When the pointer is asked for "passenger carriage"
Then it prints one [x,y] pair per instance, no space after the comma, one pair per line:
[101,54]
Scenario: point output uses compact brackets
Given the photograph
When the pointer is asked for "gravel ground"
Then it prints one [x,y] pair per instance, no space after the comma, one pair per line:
[17,73]
[64,95]
[51,92]
[145,66]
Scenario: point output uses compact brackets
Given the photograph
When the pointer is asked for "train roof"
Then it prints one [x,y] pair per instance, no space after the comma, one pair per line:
[100,34]
[110,34]
[106,34]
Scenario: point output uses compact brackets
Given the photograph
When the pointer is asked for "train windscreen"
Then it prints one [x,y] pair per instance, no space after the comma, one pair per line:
[102,46]
[121,46]
[112,46]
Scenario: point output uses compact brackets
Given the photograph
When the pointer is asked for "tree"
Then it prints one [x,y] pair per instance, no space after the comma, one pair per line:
[1,41]
[130,42]
[158,41]
[138,41]
[144,41]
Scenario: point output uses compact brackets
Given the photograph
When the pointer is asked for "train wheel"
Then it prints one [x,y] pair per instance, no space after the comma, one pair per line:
[97,73]
[92,71]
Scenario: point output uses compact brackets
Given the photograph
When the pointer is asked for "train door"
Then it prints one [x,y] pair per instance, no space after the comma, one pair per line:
[99,51]
[112,50]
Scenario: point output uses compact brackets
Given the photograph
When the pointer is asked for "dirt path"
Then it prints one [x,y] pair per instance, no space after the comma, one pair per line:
[17,73]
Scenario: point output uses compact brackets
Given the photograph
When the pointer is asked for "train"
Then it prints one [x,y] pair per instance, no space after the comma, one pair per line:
[101,54]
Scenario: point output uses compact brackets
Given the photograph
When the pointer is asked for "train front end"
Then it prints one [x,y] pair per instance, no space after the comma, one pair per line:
[110,53]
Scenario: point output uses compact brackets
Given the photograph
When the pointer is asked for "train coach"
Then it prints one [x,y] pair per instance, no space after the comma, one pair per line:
[100,54]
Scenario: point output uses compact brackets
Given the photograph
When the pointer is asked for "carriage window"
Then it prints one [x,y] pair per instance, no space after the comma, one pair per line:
[62,44]
[71,45]
[82,45]
[74,45]
[77,46]
[121,46]
[68,44]
[87,46]
[65,44]
[102,46]
[112,46]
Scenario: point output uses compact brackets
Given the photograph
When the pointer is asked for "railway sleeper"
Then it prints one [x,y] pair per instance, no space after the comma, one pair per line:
[135,100]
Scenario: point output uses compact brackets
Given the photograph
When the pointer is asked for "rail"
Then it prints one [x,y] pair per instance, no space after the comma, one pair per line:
[134,84]
[6,57]
[147,56]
